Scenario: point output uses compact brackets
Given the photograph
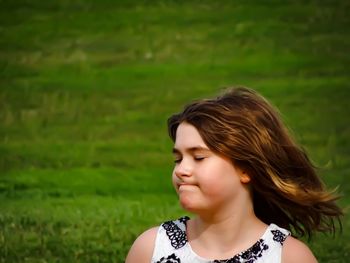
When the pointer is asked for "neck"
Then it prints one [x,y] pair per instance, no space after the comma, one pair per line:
[223,234]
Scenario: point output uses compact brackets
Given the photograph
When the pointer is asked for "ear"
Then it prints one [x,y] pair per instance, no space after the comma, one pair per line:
[244,177]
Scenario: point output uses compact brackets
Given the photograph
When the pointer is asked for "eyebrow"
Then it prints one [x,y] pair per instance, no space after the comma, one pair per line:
[191,149]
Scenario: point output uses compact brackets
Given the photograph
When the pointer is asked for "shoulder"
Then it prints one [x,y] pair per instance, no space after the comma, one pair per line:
[142,249]
[295,251]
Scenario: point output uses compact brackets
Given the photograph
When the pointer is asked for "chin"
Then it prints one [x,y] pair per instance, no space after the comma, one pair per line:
[189,205]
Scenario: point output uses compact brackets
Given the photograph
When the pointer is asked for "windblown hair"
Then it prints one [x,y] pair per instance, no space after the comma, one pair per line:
[286,189]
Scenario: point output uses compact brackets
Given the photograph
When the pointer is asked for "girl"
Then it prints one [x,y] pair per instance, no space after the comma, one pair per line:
[247,182]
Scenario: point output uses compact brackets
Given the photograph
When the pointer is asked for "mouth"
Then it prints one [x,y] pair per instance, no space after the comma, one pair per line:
[184,185]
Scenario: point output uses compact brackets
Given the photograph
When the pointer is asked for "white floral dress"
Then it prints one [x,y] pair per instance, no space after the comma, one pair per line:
[172,246]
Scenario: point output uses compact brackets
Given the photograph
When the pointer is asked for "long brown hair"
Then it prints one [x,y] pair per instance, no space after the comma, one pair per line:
[286,189]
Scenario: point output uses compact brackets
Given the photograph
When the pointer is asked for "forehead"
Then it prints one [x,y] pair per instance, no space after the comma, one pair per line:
[187,136]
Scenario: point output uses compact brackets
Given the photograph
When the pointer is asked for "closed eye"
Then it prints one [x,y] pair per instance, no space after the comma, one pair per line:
[199,158]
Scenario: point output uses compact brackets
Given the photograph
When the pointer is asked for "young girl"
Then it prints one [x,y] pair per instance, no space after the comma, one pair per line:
[249,185]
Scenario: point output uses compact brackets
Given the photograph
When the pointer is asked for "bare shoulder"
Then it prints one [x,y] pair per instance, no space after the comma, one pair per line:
[142,249]
[295,251]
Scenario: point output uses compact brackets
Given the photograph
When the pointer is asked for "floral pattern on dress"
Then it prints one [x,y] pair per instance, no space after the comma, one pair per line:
[176,236]
[170,259]
[248,256]
[278,236]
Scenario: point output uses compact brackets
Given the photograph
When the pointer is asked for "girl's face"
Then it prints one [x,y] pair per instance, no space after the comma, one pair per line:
[204,180]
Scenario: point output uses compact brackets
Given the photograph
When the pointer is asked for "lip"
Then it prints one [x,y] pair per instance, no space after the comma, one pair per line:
[184,185]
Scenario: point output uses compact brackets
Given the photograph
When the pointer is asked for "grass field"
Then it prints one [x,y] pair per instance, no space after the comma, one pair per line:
[86,88]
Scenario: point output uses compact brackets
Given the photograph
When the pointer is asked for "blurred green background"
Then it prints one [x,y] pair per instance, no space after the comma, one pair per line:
[86,88]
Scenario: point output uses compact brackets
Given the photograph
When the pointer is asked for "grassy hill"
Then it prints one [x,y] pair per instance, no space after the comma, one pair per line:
[86,88]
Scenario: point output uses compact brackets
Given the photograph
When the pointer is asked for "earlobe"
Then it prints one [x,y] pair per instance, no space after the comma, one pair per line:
[244,178]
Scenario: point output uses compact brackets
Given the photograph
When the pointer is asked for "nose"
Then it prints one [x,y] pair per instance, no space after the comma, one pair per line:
[183,169]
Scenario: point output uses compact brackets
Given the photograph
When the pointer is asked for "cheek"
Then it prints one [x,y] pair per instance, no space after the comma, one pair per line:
[212,191]
[220,184]
[210,185]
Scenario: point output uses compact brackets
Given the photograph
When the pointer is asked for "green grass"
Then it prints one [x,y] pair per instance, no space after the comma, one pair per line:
[86,88]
